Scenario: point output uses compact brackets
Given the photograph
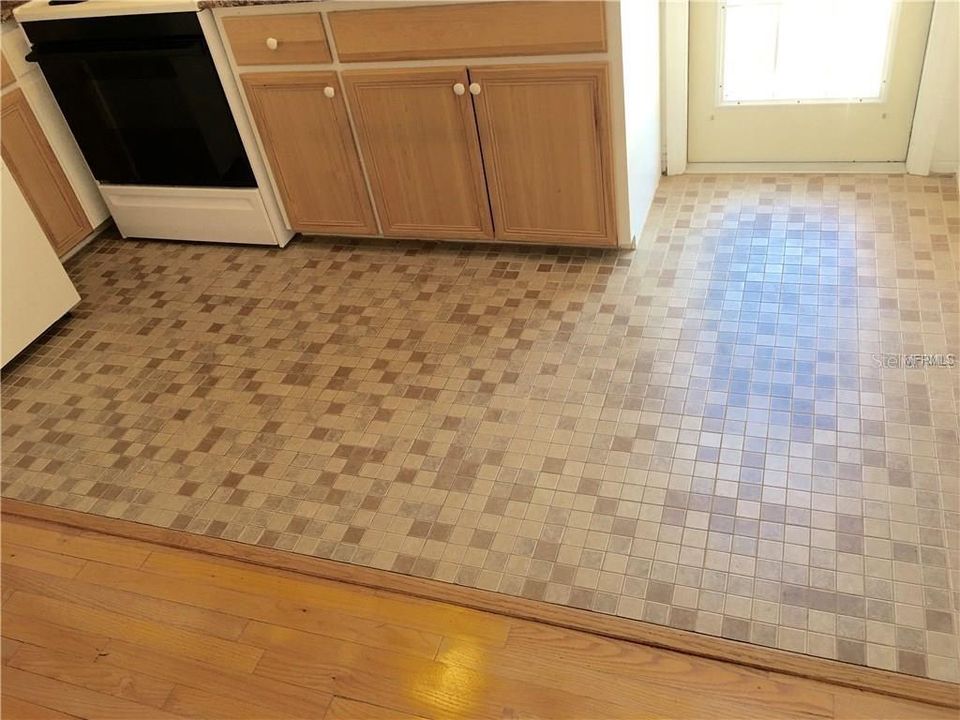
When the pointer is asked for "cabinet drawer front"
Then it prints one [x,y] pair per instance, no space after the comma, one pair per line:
[37,171]
[300,39]
[307,139]
[473,30]
[419,142]
[544,130]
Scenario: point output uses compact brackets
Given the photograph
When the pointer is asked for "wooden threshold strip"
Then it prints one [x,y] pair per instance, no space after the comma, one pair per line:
[829,671]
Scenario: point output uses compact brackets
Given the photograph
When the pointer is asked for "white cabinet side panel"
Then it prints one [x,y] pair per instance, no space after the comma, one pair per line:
[640,41]
[35,290]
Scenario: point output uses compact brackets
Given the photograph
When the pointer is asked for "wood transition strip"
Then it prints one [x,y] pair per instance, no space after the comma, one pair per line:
[918,689]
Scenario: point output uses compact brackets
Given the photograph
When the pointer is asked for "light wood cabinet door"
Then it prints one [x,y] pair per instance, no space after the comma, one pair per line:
[6,72]
[307,139]
[418,138]
[39,175]
[545,135]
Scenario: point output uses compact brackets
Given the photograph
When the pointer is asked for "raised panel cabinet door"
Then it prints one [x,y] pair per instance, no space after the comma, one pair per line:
[305,132]
[6,72]
[418,137]
[39,175]
[545,135]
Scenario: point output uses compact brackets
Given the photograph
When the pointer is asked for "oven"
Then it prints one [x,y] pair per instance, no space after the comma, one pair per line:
[147,91]
[143,99]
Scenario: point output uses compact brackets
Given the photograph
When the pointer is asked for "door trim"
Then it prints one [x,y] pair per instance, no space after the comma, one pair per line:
[676,55]
[934,91]
[926,116]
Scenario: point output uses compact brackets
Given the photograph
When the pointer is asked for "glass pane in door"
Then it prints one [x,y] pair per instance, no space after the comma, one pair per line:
[805,50]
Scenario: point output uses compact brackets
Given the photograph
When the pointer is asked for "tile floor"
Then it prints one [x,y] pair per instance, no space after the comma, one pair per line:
[725,431]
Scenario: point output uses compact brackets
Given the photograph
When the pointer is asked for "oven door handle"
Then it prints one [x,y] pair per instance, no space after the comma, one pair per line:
[94,51]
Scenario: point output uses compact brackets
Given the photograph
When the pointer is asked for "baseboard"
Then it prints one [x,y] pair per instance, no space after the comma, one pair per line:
[944,168]
[822,168]
[918,689]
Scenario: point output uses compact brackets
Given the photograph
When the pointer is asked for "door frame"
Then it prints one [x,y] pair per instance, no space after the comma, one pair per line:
[926,117]
[933,94]
[676,55]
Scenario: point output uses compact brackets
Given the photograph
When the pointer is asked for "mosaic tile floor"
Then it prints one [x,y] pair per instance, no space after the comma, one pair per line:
[723,431]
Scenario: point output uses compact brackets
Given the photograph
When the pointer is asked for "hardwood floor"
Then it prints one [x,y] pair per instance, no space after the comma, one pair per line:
[96,626]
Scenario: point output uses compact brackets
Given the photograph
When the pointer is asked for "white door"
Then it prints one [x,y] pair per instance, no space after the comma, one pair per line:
[804,80]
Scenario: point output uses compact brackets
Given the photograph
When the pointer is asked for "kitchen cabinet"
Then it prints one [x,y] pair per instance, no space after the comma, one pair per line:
[305,133]
[418,137]
[37,172]
[503,121]
[544,130]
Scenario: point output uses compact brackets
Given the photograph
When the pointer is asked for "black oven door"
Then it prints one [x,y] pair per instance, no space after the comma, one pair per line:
[147,112]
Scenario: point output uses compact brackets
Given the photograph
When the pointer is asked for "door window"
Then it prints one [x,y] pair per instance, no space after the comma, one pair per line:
[798,51]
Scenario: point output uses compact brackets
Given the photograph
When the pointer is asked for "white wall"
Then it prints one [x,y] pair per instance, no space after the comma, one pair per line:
[640,39]
[663,55]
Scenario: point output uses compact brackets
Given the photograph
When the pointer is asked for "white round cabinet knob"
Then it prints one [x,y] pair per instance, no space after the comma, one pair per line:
[272,43]
[474,88]
[329,91]
[459,89]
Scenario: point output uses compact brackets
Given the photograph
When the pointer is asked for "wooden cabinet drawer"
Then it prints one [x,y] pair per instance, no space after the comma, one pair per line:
[469,30]
[277,39]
